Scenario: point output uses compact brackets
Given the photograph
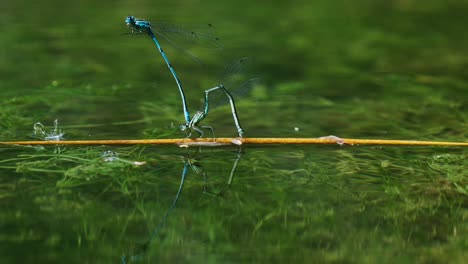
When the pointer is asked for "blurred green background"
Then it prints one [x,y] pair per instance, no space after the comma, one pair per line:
[364,69]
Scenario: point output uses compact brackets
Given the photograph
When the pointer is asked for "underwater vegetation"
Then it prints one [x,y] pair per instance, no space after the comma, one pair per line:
[367,69]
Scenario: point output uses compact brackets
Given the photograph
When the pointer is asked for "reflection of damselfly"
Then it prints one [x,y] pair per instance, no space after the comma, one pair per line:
[192,163]
[140,26]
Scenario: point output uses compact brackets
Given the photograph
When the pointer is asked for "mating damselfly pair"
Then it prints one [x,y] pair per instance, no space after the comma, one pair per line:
[141,26]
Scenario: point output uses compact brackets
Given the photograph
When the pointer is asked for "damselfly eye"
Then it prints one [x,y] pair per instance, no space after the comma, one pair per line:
[129,20]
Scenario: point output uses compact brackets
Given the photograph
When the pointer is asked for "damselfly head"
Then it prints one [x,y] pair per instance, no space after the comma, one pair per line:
[130,20]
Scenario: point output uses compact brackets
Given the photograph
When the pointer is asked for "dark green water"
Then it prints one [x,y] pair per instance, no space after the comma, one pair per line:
[362,69]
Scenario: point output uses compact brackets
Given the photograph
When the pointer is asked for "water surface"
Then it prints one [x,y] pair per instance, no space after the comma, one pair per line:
[370,69]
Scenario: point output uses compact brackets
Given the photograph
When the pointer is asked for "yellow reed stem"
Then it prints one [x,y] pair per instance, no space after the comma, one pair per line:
[185,142]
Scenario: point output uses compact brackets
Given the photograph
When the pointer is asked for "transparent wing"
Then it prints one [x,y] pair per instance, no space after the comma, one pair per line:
[184,40]
[200,35]
[245,88]
[234,73]
[234,80]
[218,98]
